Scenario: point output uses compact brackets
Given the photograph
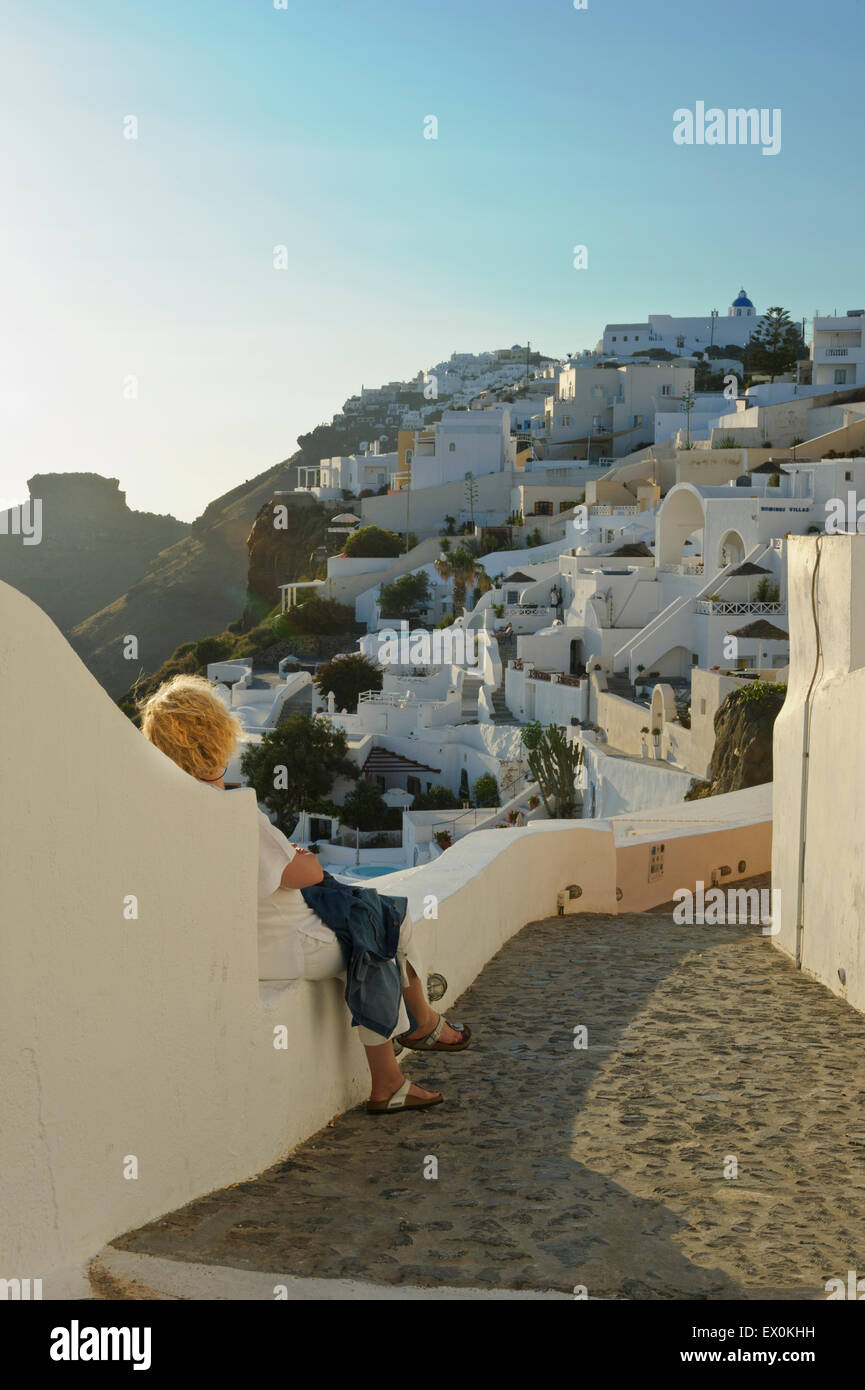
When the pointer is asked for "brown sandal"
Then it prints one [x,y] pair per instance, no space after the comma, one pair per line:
[431,1040]
[401,1100]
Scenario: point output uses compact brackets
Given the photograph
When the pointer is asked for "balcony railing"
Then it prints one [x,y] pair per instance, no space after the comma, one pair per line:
[718,607]
[836,352]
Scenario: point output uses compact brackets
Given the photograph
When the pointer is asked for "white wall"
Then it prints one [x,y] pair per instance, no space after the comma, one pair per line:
[818,797]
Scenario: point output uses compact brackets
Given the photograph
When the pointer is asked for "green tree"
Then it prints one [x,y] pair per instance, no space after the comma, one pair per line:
[212,649]
[405,598]
[689,400]
[373,541]
[775,346]
[364,807]
[554,763]
[316,615]
[438,798]
[461,565]
[348,676]
[293,768]
[487,790]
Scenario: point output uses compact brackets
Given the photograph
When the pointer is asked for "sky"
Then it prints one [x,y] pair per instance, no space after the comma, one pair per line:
[146,333]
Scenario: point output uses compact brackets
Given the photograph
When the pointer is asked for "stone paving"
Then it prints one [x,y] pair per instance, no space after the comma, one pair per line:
[601,1167]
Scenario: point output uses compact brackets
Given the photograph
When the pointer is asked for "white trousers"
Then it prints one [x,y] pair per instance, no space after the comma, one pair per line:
[323,960]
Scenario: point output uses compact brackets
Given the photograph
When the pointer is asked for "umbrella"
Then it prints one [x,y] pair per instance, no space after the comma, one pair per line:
[747,570]
[397,797]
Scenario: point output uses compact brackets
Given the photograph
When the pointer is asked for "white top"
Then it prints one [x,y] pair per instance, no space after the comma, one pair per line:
[282,913]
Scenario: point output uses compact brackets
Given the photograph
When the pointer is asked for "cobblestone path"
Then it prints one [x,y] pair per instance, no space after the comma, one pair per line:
[602,1167]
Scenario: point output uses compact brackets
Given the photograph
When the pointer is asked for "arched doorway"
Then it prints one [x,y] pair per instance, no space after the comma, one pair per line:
[731,549]
[681,518]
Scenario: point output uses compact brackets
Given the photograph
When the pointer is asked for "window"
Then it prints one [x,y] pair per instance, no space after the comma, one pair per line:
[543,509]
[848,477]
[702,706]
[625,339]
[412,785]
[667,390]
[638,420]
[452,448]
[613,338]
[512,596]
[566,419]
[840,376]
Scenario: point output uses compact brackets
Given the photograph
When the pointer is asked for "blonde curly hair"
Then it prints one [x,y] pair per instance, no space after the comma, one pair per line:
[188,722]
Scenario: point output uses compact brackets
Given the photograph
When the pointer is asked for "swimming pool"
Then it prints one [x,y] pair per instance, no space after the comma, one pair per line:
[368,870]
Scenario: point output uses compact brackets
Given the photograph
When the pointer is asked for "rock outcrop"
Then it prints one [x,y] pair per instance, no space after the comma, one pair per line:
[92,548]
[742,756]
[189,590]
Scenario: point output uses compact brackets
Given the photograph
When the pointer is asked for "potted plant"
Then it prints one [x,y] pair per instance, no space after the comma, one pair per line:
[656,741]
[443,839]
[533,802]
[643,741]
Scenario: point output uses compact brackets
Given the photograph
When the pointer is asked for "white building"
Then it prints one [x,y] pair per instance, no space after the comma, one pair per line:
[463,441]
[355,473]
[683,335]
[837,350]
[608,411]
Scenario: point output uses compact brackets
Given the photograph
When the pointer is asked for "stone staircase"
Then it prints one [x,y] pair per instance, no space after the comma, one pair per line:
[471,687]
[501,713]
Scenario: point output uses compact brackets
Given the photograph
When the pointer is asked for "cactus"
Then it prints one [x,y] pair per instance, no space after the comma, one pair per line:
[554,764]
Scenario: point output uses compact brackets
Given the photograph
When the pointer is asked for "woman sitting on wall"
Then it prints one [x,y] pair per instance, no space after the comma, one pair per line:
[186,720]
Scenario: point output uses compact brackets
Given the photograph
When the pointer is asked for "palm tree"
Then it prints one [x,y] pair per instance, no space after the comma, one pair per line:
[462,566]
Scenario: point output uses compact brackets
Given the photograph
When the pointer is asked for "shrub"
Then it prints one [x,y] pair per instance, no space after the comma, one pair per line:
[212,649]
[486,790]
[323,616]
[438,798]
[348,676]
[373,541]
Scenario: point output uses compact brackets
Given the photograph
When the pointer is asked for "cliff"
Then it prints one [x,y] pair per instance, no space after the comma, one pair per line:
[93,546]
[189,589]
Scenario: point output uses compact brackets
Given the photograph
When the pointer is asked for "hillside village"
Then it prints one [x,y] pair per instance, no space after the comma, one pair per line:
[553,656]
[591,544]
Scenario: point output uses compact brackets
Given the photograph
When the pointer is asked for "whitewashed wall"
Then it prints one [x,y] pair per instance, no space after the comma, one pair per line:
[819,797]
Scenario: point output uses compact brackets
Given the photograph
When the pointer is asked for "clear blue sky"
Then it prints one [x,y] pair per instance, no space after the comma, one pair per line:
[304,127]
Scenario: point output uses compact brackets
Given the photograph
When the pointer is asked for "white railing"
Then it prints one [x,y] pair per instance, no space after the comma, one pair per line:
[519,610]
[716,606]
[607,509]
[381,697]
[686,567]
[836,352]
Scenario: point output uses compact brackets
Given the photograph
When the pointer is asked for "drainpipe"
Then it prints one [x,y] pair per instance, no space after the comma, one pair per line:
[806,752]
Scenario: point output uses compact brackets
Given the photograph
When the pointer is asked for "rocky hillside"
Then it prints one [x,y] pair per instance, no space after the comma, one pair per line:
[93,546]
[192,588]
[742,756]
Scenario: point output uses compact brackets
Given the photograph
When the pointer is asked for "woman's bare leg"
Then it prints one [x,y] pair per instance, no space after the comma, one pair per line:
[385,1073]
[427,1018]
